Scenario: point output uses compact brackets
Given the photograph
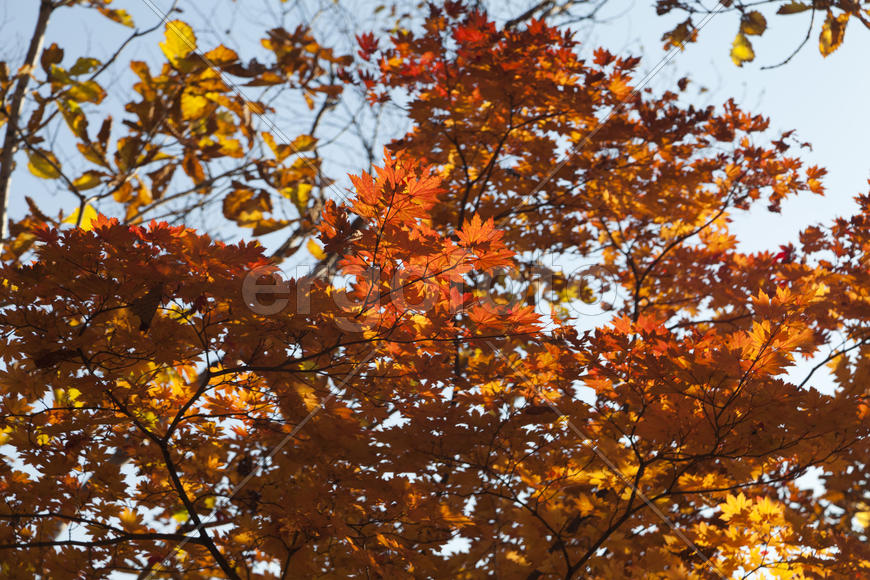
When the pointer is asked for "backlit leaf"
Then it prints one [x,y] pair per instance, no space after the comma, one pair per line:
[89,215]
[88,180]
[303,143]
[180,41]
[315,250]
[741,50]
[118,15]
[43,164]
[192,106]
[833,32]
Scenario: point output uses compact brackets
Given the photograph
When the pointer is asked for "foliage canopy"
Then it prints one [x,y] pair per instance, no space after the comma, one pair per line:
[170,405]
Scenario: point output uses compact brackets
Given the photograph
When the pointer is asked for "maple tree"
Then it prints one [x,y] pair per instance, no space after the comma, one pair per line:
[437,408]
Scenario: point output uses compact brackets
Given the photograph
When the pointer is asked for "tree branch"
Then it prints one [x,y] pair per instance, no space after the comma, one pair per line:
[10,143]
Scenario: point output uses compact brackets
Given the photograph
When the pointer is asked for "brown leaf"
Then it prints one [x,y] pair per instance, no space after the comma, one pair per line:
[146,307]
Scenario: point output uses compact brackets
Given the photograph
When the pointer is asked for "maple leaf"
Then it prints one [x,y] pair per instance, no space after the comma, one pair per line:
[476,231]
[146,306]
[368,45]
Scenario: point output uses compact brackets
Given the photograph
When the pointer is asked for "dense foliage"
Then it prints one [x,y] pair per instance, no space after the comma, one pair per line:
[431,401]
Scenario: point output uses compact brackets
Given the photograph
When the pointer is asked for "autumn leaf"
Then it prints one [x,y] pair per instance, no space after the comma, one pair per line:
[741,50]
[118,15]
[793,7]
[88,216]
[299,194]
[303,143]
[180,41]
[683,33]
[146,306]
[129,519]
[833,32]
[44,164]
[753,23]
[315,250]
[88,180]
[246,206]
[477,231]
[193,106]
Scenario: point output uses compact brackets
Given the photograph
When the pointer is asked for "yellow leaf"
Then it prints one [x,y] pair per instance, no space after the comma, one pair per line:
[753,23]
[246,207]
[87,91]
[88,216]
[128,518]
[734,504]
[268,225]
[741,50]
[192,106]
[91,154]
[180,516]
[833,32]
[119,16]
[281,151]
[222,55]
[180,41]
[303,143]
[308,396]
[456,518]
[74,117]
[515,556]
[299,194]
[388,542]
[230,147]
[43,164]
[88,180]
[792,8]
[315,250]
[73,395]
